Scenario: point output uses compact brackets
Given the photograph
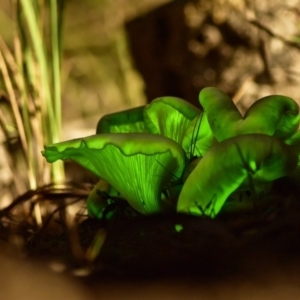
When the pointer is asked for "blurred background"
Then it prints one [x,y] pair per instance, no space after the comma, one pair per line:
[124,53]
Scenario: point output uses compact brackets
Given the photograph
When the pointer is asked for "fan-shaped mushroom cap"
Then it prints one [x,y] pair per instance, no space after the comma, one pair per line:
[231,163]
[274,115]
[138,165]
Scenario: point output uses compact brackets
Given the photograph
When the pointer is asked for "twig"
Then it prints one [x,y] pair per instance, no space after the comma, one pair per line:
[273,34]
[47,192]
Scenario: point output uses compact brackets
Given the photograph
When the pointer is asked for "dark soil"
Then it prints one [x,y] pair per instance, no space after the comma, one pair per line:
[233,247]
[174,244]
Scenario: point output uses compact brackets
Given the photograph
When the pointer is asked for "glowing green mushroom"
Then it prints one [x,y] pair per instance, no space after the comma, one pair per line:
[96,203]
[198,138]
[170,117]
[130,120]
[167,116]
[274,115]
[222,114]
[138,165]
[241,160]
[294,141]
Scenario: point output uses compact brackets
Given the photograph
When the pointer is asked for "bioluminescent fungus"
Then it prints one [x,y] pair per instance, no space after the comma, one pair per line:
[198,138]
[137,165]
[130,120]
[170,117]
[236,161]
[222,114]
[294,142]
[273,115]
[95,202]
[170,154]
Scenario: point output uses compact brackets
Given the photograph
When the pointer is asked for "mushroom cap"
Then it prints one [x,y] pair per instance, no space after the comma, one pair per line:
[170,117]
[198,138]
[222,114]
[245,159]
[273,115]
[130,120]
[137,165]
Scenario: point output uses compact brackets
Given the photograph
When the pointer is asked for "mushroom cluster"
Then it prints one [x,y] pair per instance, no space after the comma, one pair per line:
[170,155]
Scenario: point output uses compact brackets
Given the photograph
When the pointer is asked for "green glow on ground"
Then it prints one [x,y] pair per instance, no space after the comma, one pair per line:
[178,227]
